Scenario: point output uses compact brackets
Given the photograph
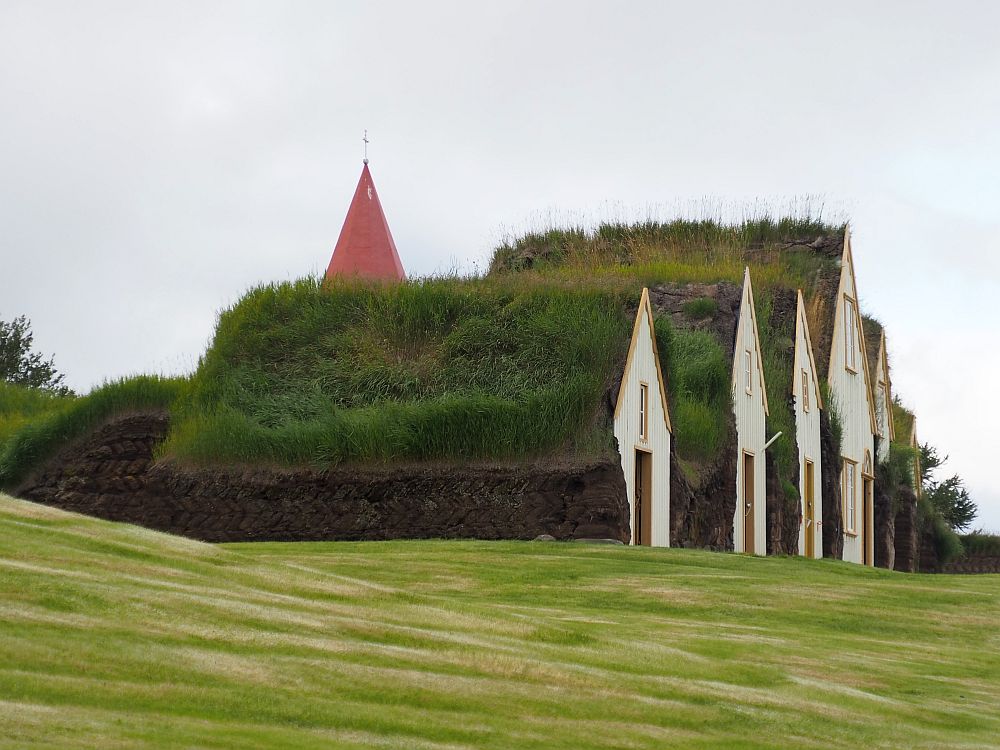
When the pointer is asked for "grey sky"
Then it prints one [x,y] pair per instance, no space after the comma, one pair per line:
[158,159]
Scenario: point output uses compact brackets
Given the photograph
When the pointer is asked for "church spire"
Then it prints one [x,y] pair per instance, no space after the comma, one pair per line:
[365,248]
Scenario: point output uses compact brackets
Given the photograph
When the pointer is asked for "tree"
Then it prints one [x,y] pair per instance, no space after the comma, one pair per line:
[953,502]
[949,497]
[22,366]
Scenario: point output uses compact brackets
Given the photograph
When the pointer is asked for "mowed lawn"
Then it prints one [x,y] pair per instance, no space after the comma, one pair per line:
[114,636]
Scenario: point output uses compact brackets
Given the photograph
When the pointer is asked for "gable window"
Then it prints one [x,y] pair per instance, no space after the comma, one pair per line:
[850,334]
[643,411]
[805,391]
[849,487]
[748,370]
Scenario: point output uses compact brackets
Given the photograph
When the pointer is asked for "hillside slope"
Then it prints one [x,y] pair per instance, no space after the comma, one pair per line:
[111,635]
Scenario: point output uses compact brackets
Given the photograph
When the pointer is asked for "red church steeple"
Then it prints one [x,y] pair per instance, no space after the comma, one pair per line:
[365,248]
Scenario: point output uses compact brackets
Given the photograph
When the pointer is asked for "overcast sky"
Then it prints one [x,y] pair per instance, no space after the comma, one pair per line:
[158,159]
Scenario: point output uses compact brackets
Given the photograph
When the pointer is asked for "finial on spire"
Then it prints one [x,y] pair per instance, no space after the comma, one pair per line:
[365,139]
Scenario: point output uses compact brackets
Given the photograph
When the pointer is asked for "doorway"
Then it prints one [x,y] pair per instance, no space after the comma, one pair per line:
[748,503]
[867,519]
[809,510]
[642,527]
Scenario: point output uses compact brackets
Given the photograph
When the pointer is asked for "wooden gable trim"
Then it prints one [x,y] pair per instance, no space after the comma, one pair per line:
[738,350]
[848,258]
[800,315]
[647,308]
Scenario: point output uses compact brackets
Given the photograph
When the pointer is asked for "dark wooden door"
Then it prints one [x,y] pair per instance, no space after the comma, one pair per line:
[748,503]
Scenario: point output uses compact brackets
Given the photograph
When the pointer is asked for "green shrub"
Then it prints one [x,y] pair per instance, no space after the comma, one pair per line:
[19,405]
[981,543]
[701,308]
[947,544]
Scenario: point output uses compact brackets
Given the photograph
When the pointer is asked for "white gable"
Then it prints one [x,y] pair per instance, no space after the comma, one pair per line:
[750,407]
[808,402]
[883,401]
[642,426]
[851,390]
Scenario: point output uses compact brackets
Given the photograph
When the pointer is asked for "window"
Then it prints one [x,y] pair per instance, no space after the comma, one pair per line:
[850,334]
[805,391]
[748,370]
[850,490]
[643,411]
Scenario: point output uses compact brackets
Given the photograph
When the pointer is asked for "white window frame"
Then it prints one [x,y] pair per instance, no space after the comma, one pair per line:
[851,334]
[805,390]
[748,370]
[850,489]
[643,411]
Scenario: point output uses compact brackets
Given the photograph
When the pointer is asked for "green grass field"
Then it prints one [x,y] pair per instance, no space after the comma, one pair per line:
[114,636]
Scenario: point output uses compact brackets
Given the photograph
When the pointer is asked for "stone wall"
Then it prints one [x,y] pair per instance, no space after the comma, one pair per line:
[833,538]
[111,474]
[907,536]
[973,564]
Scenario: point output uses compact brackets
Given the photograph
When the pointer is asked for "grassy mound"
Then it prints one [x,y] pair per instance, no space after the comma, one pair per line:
[43,432]
[115,636]
[430,369]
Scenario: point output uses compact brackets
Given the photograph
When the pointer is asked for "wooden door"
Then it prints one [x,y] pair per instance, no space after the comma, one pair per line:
[809,511]
[748,503]
[867,544]
[642,527]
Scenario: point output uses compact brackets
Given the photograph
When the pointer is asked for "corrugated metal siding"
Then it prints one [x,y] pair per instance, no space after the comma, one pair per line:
[750,427]
[643,369]
[851,399]
[807,433]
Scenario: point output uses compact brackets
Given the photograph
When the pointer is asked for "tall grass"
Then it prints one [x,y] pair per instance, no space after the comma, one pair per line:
[698,380]
[450,368]
[40,438]
[777,344]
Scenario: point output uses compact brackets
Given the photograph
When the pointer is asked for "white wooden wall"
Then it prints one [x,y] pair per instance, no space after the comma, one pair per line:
[851,393]
[883,404]
[807,423]
[751,415]
[642,367]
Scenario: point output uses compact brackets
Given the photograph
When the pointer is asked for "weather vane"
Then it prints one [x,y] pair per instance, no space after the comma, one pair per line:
[365,139]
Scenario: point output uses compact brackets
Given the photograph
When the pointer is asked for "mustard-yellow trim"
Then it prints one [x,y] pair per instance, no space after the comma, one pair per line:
[644,305]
